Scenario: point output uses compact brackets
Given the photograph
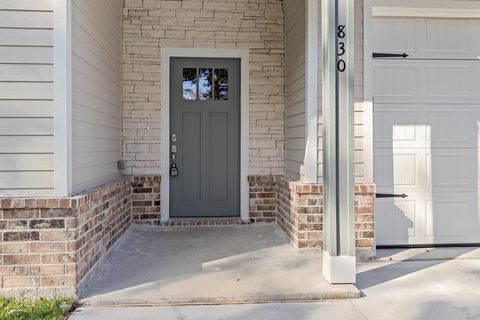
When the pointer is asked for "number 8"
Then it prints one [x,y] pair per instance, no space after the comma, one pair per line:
[341,33]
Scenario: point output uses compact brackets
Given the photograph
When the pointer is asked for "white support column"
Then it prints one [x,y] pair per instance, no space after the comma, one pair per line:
[338,113]
[62,83]
[311,83]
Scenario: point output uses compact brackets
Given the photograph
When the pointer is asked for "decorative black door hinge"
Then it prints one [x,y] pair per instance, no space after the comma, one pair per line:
[389,55]
[391,195]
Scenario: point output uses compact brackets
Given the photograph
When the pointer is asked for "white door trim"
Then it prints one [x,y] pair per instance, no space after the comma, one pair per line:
[166,54]
[395,8]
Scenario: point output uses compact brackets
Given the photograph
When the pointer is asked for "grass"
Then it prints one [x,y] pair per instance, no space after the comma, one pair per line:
[35,309]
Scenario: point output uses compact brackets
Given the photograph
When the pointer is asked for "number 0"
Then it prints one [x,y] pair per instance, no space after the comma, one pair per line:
[341,65]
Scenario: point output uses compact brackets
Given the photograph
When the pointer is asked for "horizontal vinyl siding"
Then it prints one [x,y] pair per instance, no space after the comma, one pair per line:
[26,98]
[295,142]
[359,107]
[96,92]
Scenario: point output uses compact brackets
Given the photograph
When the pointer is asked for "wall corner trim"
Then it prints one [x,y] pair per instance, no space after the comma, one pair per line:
[62,83]
[311,91]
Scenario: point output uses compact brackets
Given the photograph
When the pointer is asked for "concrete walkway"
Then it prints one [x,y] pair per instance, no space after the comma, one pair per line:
[430,284]
[208,265]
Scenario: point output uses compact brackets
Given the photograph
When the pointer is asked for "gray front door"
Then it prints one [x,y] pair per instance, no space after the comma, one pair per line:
[205,137]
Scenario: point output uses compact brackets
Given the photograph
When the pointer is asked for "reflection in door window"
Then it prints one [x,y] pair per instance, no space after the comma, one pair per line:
[221,84]
[205,84]
[189,83]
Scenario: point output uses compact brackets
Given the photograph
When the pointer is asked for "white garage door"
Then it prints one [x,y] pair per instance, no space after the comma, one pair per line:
[426,130]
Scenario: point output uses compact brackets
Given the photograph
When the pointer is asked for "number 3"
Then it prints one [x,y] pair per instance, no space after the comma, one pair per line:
[342,49]
[341,64]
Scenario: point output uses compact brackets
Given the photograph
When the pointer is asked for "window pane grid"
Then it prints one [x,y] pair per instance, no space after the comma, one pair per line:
[205,84]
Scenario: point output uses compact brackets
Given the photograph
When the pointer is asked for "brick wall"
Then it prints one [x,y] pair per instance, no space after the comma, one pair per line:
[364,218]
[38,244]
[263,198]
[146,199]
[150,25]
[50,245]
[102,217]
[298,210]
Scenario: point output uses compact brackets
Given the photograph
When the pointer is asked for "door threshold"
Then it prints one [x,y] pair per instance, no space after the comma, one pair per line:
[420,246]
[204,221]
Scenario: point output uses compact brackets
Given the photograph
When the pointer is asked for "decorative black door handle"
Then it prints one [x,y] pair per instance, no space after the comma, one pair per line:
[389,55]
[391,195]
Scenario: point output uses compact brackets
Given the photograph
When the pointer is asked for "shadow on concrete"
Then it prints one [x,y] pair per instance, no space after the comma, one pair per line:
[396,263]
[233,264]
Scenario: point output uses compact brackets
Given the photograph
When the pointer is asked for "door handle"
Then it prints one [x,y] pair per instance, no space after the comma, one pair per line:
[391,195]
[389,55]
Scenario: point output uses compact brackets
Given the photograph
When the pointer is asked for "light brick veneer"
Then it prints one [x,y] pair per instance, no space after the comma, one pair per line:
[299,210]
[150,25]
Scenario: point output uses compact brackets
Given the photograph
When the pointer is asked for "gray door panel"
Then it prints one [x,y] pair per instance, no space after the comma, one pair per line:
[208,141]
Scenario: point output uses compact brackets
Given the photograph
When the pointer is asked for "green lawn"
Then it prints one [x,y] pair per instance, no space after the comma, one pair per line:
[39,309]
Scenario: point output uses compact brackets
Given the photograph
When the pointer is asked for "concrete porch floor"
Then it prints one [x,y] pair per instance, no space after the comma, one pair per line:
[208,265]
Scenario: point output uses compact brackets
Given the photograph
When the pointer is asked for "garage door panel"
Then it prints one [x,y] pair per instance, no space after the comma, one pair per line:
[393,35]
[397,126]
[451,170]
[447,35]
[452,217]
[426,130]
[450,125]
[397,219]
[440,170]
[448,80]
[426,126]
[397,169]
[393,81]
[426,81]
[452,38]
[427,38]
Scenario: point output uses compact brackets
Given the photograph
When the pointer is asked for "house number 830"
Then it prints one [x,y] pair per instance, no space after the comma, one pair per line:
[341,65]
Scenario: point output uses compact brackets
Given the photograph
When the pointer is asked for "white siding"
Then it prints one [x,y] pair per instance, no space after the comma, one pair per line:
[26,98]
[359,111]
[96,92]
[294,88]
